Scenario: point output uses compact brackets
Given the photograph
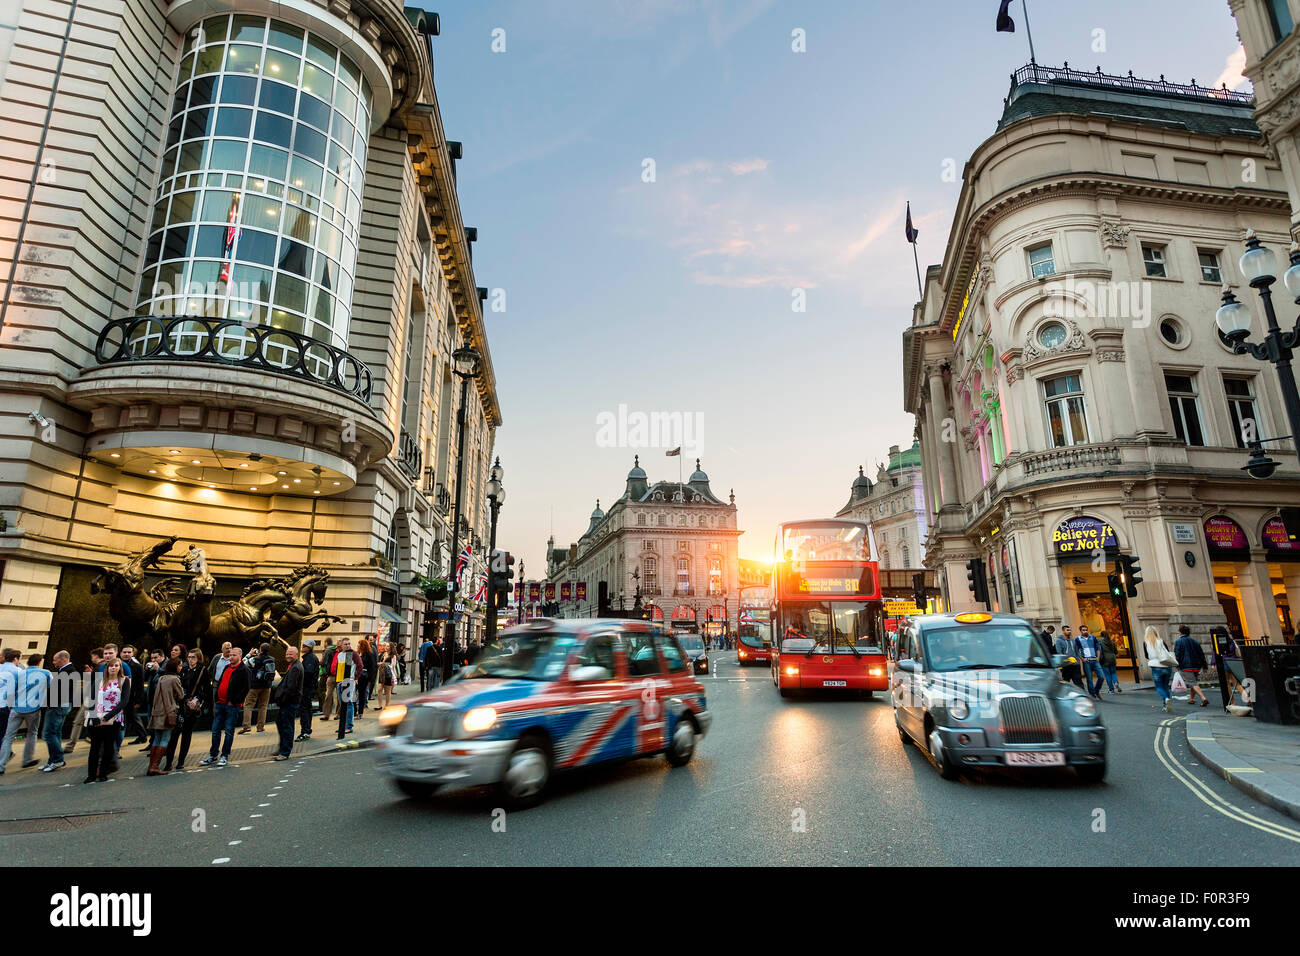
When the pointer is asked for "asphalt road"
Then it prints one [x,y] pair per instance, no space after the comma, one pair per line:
[835,764]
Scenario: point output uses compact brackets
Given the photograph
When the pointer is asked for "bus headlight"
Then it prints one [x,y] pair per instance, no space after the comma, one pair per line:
[792,672]
[959,709]
[478,719]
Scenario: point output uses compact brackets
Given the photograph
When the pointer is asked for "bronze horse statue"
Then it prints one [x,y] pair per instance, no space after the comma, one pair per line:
[192,616]
[306,587]
[140,615]
[250,617]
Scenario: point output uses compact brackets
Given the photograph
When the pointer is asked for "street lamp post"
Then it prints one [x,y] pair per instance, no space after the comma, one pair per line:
[496,498]
[465,364]
[1259,266]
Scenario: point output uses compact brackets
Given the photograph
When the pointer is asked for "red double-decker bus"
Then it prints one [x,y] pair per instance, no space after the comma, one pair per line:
[754,634]
[828,621]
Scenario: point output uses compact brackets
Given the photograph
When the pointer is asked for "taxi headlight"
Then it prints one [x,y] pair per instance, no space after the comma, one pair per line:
[390,717]
[478,719]
[959,709]
[1084,707]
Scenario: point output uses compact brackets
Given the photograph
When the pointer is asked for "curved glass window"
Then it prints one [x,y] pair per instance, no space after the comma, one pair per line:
[260,188]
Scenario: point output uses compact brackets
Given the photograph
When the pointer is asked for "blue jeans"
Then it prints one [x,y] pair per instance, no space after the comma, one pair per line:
[347,699]
[224,718]
[1112,677]
[284,719]
[1162,676]
[160,738]
[52,731]
[1092,669]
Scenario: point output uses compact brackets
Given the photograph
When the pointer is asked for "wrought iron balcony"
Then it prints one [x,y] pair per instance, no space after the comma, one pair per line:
[429,483]
[1036,73]
[151,338]
[409,456]
[442,500]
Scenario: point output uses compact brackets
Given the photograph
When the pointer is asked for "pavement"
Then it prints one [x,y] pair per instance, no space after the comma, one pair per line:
[251,746]
[819,778]
[1262,760]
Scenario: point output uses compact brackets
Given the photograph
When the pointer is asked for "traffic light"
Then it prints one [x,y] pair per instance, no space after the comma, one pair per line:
[1130,573]
[1291,522]
[1115,586]
[918,590]
[976,580]
[503,572]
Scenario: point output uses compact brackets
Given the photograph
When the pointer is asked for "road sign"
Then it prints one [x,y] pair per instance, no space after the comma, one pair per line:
[901,608]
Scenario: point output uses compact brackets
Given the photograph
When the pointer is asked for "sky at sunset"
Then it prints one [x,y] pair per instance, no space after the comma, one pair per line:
[779,179]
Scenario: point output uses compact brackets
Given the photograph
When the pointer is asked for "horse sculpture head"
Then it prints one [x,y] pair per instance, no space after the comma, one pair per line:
[129,575]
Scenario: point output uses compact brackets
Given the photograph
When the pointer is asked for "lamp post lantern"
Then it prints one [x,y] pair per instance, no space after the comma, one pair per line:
[1259,266]
[465,361]
[496,498]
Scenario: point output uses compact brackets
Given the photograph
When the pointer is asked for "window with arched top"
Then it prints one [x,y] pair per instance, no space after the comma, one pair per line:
[650,574]
[907,557]
[683,575]
[640,519]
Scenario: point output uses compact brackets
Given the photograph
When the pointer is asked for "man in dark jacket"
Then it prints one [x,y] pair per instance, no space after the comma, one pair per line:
[288,695]
[261,675]
[310,681]
[228,695]
[1191,661]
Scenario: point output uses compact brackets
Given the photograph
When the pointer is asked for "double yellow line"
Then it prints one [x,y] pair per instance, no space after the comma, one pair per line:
[1207,795]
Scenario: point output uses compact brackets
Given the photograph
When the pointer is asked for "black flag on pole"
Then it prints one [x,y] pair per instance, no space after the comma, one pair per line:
[1005,23]
[910,231]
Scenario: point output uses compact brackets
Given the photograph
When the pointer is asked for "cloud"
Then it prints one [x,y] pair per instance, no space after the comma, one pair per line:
[1232,67]
[746,166]
[737,167]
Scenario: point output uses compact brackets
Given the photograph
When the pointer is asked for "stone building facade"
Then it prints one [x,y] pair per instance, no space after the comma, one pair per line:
[894,506]
[680,539]
[1073,397]
[238,276]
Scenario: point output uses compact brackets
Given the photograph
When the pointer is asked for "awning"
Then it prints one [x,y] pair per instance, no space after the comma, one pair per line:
[388,614]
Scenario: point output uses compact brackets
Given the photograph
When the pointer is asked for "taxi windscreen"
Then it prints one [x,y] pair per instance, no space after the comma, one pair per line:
[525,655]
[984,647]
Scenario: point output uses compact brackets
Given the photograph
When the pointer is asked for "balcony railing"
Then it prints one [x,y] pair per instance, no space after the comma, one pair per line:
[442,500]
[409,456]
[151,338]
[1036,73]
[1070,459]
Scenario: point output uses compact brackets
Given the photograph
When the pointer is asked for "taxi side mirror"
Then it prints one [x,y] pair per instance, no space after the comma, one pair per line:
[1059,660]
[908,666]
[590,672]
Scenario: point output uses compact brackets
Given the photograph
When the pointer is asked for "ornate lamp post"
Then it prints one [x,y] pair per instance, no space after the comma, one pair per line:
[496,495]
[465,364]
[1259,266]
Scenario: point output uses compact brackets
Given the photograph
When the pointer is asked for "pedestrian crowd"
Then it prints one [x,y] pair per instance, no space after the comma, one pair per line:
[163,698]
[1093,660]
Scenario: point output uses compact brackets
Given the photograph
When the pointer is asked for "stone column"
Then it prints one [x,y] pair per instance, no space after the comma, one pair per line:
[947,461]
[1258,609]
[1115,416]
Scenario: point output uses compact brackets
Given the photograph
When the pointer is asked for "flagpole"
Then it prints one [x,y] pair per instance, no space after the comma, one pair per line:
[1033,61]
[919,291]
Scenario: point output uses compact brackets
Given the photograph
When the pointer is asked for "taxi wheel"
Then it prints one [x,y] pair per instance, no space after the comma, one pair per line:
[785,691]
[903,735]
[527,773]
[415,790]
[1092,773]
[947,769]
[682,748]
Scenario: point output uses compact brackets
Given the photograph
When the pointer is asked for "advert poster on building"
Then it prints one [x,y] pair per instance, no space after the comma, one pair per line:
[1077,537]
[534,593]
[582,590]
[566,591]
[550,591]
[1277,540]
[1224,534]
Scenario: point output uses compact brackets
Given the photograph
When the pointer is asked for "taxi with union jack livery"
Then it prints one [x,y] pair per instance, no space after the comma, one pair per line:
[550,695]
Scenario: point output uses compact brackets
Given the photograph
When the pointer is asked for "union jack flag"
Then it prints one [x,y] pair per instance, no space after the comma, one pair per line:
[461,563]
[232,234]
[481,594]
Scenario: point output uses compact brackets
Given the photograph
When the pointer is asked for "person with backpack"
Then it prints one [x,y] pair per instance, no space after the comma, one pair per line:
[387,678]
[261,675]
[1109,660]
[1088,651]
[1191,661]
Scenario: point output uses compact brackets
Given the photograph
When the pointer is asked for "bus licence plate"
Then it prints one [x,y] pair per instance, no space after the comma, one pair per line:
[1051,759]
[835,683]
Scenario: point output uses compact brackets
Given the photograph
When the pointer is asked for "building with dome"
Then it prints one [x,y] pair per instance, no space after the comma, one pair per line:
[677,541]
[894,506]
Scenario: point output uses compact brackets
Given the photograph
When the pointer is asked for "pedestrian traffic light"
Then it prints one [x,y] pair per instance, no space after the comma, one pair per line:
[1115,586]
[1131,573]
[976,580]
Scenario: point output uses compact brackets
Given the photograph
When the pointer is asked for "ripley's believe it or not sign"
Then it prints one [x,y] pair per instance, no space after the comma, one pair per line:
[1083,535]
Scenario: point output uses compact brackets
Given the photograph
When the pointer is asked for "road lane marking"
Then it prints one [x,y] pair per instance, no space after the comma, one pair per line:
[1202,791]
[221,859]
